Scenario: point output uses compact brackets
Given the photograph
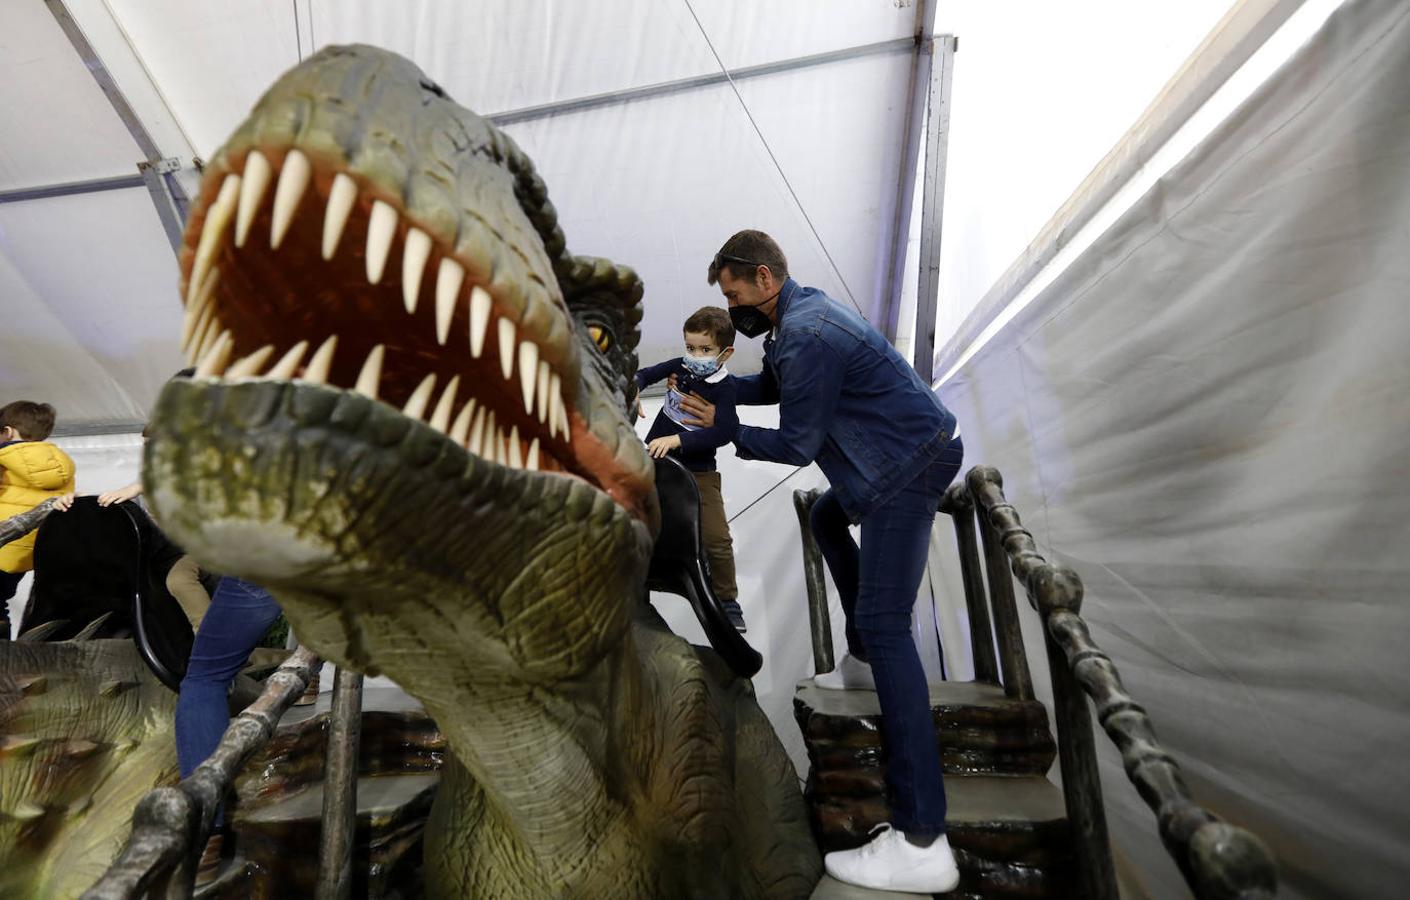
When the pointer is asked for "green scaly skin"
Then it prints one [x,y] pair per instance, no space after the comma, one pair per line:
[594,753]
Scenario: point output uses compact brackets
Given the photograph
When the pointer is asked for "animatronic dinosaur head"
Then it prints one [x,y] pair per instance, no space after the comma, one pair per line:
[404,380]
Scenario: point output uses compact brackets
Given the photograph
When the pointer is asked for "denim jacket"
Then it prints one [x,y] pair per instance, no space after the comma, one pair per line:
[847,400]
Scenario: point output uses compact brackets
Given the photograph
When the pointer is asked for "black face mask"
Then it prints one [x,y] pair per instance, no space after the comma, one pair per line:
[748,321]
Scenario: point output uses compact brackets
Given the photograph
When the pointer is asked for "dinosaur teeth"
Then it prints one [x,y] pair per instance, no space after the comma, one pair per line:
[317,370]
[500,456]
[213,363]
[256,181]
[542,400]
[371,375]
[420,398]
[556,415]
[506,347]
[448,280]
[459,432]
[340,203]
[477,433]
[208,335]
[413,265]
[197,312]
[250,365]
[208,345]
[217,218]
[528,372]
[441,417]
[516,459]
[479,319]
[381,228]
[293,181]
[288,363]
[192,344]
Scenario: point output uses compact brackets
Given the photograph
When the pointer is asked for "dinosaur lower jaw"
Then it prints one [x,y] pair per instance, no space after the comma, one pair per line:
[292,272]
[309,486]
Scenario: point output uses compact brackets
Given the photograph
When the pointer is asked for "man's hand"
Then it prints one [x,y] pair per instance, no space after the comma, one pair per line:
[640,413]
[121,495]
[703,410]
[63,502]
[663,445]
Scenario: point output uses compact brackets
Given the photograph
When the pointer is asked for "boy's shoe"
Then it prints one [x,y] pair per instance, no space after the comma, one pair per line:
[889,862]
[735,614]
[851,674]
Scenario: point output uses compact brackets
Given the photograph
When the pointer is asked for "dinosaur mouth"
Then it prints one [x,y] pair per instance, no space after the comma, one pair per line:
[296,269]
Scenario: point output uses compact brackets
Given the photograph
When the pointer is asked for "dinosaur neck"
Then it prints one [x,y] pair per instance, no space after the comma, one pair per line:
[544,755]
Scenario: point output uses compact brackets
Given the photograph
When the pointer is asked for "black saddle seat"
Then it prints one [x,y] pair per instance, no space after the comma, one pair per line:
[678,565]
[94,560]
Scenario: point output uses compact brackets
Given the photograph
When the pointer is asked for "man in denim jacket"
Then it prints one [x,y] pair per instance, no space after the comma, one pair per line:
[849,402]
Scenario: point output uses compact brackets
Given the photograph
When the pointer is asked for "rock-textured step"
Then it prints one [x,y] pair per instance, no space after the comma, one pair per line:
[280,840]
[276,813]
[981,731]
[397,736]
[1006,821]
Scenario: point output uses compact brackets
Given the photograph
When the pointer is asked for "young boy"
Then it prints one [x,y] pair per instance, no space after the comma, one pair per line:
[31,471]
[709,341]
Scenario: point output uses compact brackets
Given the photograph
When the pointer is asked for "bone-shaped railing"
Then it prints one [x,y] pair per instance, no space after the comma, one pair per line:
[1218,860]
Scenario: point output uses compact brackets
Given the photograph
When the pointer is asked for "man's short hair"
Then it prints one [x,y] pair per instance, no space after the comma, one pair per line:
[744,253]
[34,421]
[713,321]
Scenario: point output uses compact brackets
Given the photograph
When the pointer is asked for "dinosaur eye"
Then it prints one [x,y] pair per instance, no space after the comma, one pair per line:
[600,337]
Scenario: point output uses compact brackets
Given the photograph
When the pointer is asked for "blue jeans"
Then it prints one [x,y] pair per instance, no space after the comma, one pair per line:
[878,584]
[239,615]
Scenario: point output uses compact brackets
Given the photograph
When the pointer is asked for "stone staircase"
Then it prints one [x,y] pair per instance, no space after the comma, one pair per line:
[277,813]
[1007,822]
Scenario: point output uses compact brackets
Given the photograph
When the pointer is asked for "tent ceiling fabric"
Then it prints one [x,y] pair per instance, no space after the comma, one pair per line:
[656,183]
[90,309]
[57,124]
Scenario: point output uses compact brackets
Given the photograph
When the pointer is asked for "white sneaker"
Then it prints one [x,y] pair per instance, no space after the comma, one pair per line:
[851,674]
[891,863]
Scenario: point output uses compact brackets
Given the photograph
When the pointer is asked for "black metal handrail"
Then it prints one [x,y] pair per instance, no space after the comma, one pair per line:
[1218,860]
[819,618]
[171,824]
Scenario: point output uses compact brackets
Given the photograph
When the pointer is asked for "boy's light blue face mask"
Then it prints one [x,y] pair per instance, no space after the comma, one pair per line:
[701,366]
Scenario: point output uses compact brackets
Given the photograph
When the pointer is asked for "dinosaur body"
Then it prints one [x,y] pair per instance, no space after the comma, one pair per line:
[449,491]
[85,732]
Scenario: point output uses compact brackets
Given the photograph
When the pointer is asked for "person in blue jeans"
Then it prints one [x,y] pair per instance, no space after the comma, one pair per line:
[849,402]
[239,615]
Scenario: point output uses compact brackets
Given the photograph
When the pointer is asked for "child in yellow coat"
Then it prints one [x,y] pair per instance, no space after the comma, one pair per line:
[31,471]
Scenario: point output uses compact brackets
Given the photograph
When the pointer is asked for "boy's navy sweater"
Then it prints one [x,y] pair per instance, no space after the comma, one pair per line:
[697,450]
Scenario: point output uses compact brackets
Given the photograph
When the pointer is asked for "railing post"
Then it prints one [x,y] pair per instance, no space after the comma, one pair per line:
[1013,660]
[335,852]
[818,617]
[1059,590]
[959,506]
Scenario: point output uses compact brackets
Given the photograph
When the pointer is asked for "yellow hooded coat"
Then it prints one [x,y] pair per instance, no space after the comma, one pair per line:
[30,473]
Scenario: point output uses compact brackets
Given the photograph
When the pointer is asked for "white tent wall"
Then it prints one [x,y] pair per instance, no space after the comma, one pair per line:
[1204,416]
[1041,92]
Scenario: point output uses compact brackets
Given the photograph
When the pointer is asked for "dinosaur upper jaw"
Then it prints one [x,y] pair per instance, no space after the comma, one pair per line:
[298,267]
